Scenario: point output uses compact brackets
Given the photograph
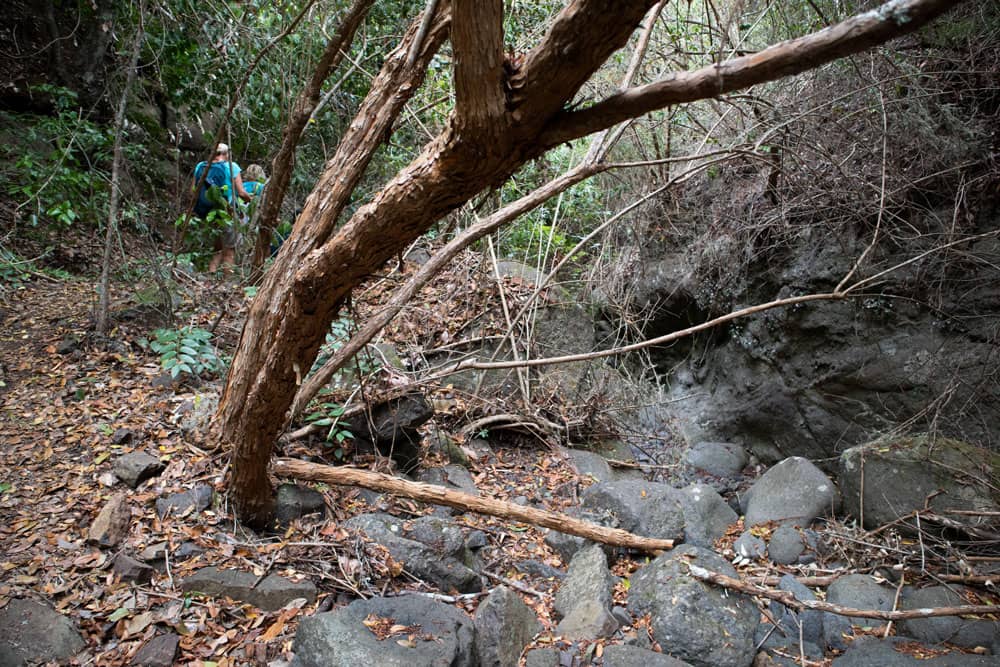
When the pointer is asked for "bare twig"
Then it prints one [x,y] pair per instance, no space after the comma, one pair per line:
[789,600]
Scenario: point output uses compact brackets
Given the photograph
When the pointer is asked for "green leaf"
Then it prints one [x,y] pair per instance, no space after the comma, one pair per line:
[119,614]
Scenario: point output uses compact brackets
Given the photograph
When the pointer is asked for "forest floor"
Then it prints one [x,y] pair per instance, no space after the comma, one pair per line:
[71,405]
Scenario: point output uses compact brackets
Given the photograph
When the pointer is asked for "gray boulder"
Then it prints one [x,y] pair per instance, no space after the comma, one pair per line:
[443,636]
[543,657]
[786,545]
[645,508]
[858,591]
[871,651]
[794,492]
[270,594]
[504,626]
[899,474]
[135,468]
[750,546]
[634,656]
[590,464]
[696,622]
[584,598]
[428,548]
[722,459]
[33,633]
[192,500]
[391,429]
[293,501]
[968,633]
[706,515]
[791,624]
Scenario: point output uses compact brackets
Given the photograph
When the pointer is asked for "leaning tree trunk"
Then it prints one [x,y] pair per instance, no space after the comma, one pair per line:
[504,116]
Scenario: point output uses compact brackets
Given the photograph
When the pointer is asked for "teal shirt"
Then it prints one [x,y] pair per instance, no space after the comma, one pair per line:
[253,187]
[233,172]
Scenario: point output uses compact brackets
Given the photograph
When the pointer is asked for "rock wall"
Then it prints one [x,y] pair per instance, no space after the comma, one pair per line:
[919,349]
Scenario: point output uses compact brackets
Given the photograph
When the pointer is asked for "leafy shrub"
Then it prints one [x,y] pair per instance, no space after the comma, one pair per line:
[57,167]
[186,350]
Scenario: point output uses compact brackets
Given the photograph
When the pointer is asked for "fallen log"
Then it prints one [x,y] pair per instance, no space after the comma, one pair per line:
[438,495]
[789,600]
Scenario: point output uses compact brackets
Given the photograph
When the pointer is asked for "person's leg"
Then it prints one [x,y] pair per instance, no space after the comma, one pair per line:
[217,256]
[230,239]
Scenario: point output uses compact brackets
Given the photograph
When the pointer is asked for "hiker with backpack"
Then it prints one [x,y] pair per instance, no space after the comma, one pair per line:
[222,184]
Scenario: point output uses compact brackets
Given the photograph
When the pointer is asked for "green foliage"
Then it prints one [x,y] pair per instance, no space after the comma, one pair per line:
[329,414]
[556,226]
[57,163]
[14,271]
[201,233]
[186,350]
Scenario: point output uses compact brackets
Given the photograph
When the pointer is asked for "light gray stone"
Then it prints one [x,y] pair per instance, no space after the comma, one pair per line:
[587,620]
[646,508]
[750,546]
[785,545]
[504,626]
[794,491]
[270,594]
[633,656]
[135,468]
[900,475]
[695,621]
[706,515]
[340,638]
[33,633]
[588,578]
[591,464]
[722,459]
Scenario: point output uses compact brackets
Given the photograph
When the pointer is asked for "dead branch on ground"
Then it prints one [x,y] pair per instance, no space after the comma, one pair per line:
[466,502]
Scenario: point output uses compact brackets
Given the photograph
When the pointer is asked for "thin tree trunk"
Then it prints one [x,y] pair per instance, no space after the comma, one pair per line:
[438,495]
[104,303]
[292,312]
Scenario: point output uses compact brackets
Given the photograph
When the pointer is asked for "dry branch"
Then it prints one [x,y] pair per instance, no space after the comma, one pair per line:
[789,600]
[490,506]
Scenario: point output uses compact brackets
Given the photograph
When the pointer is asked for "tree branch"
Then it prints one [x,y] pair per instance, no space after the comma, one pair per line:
[794,56]
[402,296]
[580,39]
[786,598]
[439,495]
[281,165]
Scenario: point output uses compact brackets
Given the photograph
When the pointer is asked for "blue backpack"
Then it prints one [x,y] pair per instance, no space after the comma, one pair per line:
[214,192]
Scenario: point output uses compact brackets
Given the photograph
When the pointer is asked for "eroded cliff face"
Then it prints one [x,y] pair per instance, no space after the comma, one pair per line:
[918,349]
